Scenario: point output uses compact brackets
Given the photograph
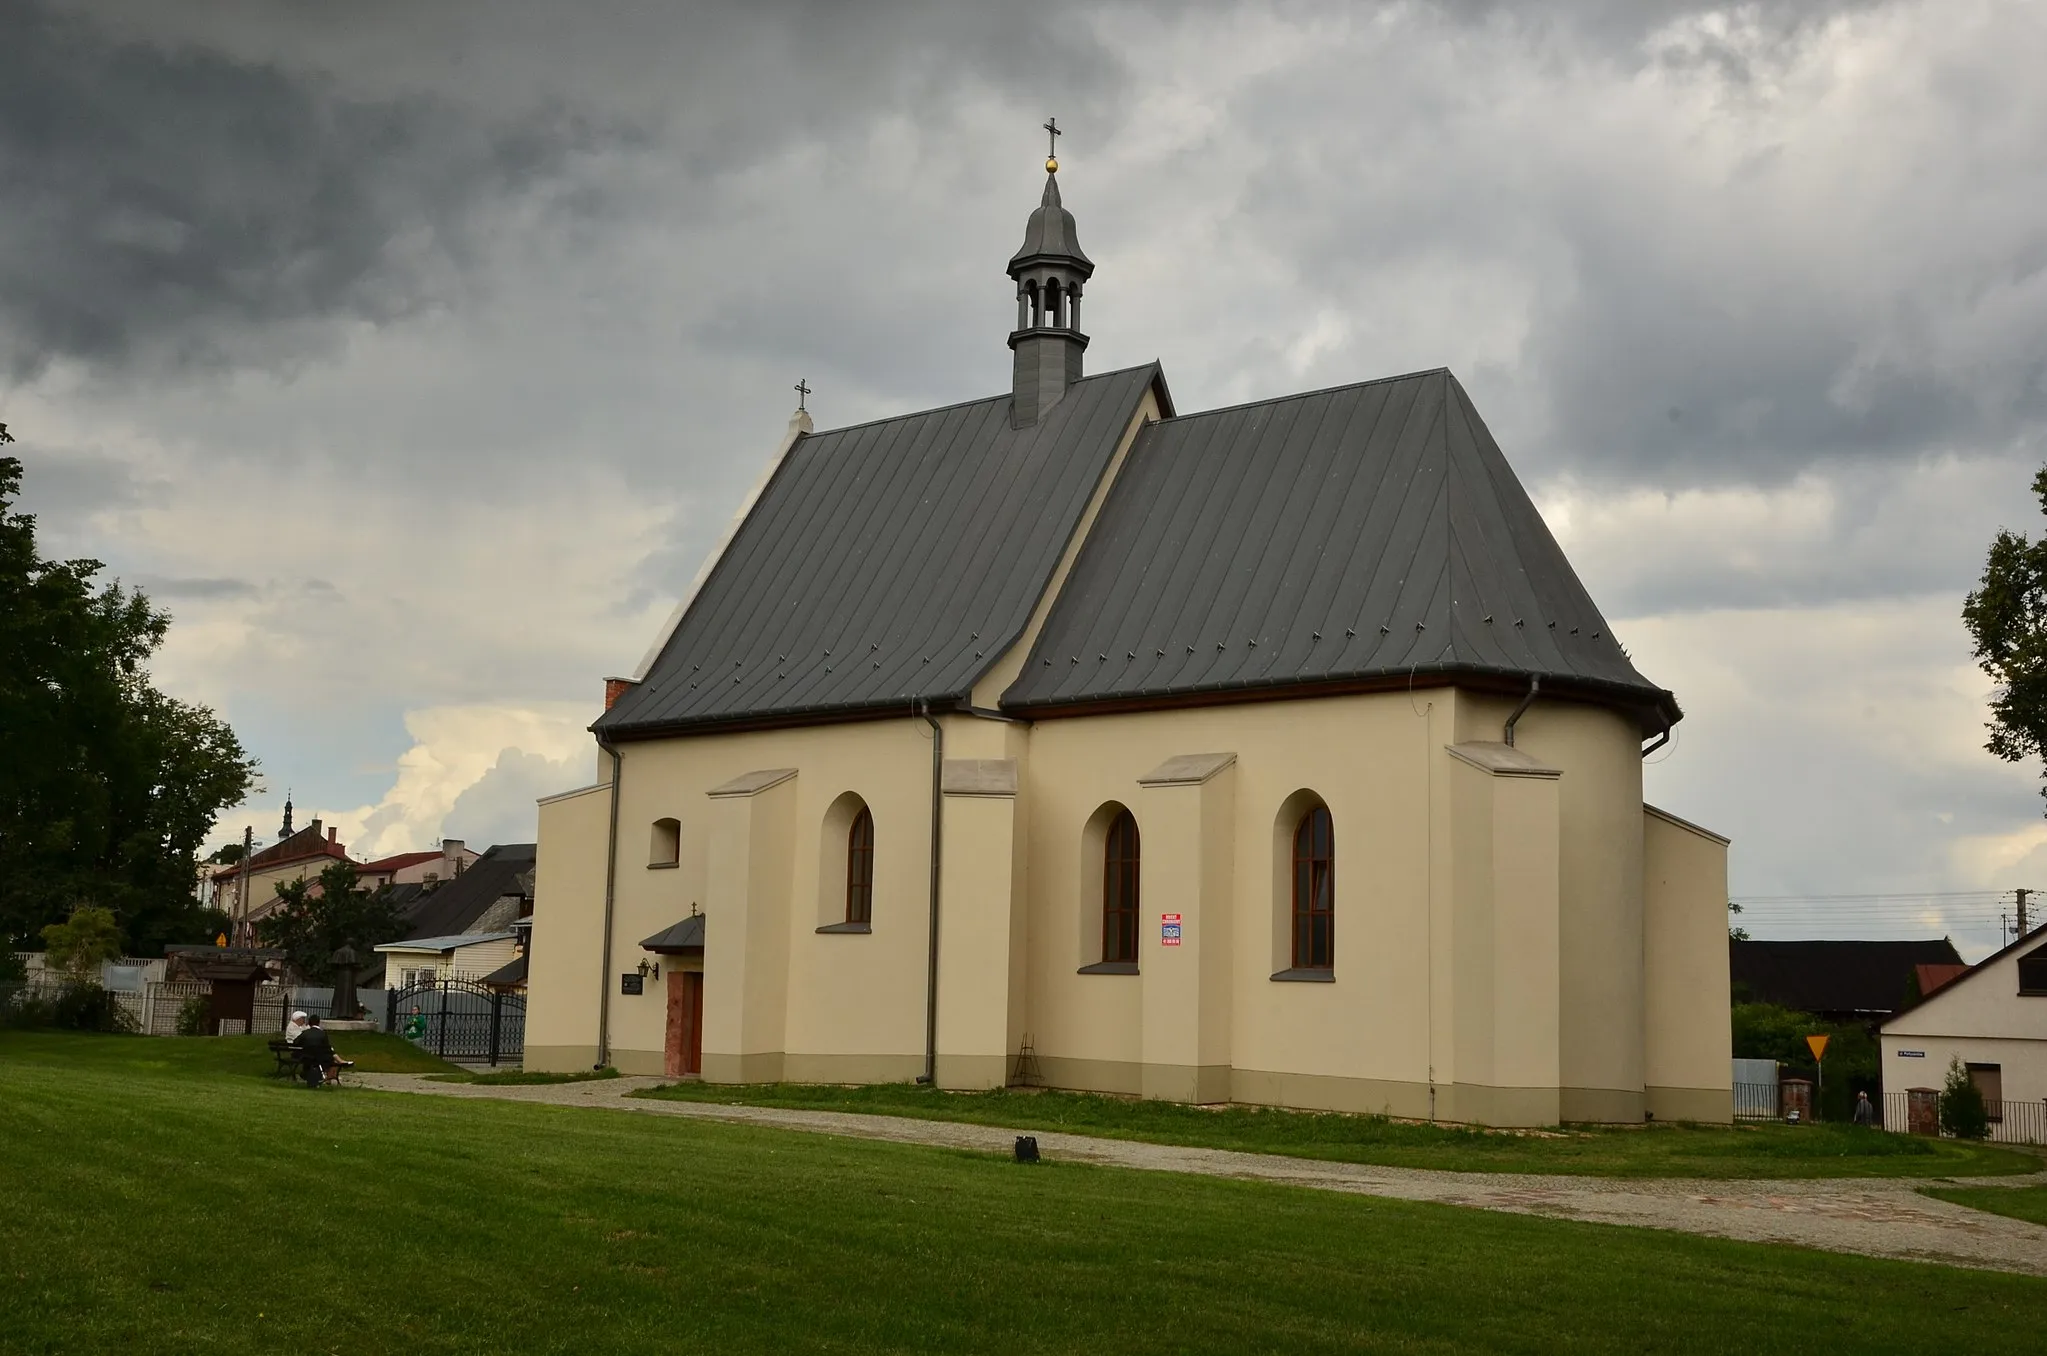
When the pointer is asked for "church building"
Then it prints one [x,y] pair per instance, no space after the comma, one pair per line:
[1271,754]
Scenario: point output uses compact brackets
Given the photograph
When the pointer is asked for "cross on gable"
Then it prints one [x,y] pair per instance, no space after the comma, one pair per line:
[802,389]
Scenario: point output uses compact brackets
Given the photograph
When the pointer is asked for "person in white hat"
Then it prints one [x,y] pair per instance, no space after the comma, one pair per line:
[295,1028]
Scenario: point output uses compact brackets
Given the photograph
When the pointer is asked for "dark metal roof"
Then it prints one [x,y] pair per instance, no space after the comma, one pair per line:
[885,563]
[688,935]
[1365,532]
[1832,977]
[1050,235]
[452,906]
[510,975]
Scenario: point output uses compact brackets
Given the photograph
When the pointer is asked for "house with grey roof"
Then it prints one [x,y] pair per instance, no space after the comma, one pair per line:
[1021,739]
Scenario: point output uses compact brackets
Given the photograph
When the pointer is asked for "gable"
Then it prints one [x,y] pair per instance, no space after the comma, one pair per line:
[1367,532]
[2003,995]
[885,564]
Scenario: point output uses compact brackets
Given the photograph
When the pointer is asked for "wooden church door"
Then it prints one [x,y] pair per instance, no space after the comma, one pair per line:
[684,1048]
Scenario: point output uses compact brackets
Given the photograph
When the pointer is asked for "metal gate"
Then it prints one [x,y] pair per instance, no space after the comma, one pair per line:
[459,1019]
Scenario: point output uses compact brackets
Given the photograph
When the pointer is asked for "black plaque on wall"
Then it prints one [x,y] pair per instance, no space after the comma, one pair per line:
[632,983]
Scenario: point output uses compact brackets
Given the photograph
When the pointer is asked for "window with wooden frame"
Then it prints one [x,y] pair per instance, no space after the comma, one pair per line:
[1314,891]
[860,869]
[1119,890]
[1989,1080]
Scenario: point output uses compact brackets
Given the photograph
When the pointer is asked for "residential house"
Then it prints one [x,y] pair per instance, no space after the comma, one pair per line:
[1992,1017]
[431,867]
[1844,982]
[493,896]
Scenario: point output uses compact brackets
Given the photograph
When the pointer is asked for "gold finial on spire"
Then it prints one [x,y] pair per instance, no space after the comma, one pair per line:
[1052,146]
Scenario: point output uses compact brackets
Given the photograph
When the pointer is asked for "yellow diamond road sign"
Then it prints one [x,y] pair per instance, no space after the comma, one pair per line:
[1818,1045]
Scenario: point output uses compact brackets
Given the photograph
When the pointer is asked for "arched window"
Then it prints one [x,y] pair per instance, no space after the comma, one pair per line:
[1119,890]
[664,847]
[1314,890]
[860,869]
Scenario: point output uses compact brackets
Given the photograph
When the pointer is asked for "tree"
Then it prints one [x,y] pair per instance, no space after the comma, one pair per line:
[1962,1111]
[80,943]
[316,918]
[1854,1062]
[107,785]
[2007,619]
[1735,934]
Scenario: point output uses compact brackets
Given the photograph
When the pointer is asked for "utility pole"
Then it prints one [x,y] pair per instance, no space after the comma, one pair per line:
[242,886]
[2022,892]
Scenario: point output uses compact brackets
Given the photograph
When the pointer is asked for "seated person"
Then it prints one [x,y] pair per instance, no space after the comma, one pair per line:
[321,1063]
[295,1028]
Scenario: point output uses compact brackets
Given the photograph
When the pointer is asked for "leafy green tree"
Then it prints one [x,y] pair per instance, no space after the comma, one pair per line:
[1854,1061]
[80,943]
[107,786]
[1962,1111]
[2007,619]
[316,918]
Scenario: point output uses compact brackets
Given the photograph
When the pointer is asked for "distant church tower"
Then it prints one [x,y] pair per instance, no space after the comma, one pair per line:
[1049,271]
[285,832]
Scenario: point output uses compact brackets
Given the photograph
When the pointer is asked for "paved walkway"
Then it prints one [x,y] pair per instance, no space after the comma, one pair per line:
[1880,1217]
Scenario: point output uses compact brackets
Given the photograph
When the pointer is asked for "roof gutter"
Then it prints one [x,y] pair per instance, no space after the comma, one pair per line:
[1534,686]
[610,896]
[930,1074]
[1659,741]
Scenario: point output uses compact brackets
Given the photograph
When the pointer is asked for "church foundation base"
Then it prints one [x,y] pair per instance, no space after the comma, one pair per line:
[1710,1106]
[1609,1106]
[762,1067]
[635,1063]
[559,1058]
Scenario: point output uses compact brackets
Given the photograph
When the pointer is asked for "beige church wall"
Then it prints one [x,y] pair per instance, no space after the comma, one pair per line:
[1688,1040]
[568,918]
[1359,1043]
[1497,937]
[1601,1028]
[853,1004]
[981,925]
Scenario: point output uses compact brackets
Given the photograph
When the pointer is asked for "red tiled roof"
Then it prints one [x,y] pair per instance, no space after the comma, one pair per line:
[399,862]
[1932,977]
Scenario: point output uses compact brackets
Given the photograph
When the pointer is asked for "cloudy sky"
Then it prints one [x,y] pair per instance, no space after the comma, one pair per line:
[414,356]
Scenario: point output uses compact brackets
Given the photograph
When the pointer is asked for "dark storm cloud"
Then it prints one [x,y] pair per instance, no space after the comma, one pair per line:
[176,205]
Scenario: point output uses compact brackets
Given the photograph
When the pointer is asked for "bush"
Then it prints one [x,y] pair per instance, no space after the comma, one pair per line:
[80,1005]
[85,1006]
[192,1015]
[1962,1112]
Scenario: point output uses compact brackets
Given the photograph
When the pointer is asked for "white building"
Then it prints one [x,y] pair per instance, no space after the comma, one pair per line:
[1993,1018]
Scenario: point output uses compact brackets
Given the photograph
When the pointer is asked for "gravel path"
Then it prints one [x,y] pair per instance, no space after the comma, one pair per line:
[1880,1217]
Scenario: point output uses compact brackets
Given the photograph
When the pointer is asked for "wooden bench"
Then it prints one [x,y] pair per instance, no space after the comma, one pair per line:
[287,1056]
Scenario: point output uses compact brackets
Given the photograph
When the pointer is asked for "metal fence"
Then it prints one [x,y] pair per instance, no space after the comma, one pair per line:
[153,1010]
[2011,1122]
[1755,1102]
[459,1019]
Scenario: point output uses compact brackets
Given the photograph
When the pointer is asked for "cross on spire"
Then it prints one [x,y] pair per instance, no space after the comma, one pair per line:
[1052,144]
[802,389]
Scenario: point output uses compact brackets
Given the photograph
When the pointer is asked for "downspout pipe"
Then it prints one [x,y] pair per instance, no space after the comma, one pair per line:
[610,897]
[930,1074]
[1534,686]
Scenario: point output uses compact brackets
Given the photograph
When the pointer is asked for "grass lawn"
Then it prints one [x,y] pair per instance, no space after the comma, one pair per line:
[160,1197]
[1634,1151]
[2028,1203]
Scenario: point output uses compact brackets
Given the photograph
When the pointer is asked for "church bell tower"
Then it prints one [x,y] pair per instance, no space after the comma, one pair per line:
[1049,271]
